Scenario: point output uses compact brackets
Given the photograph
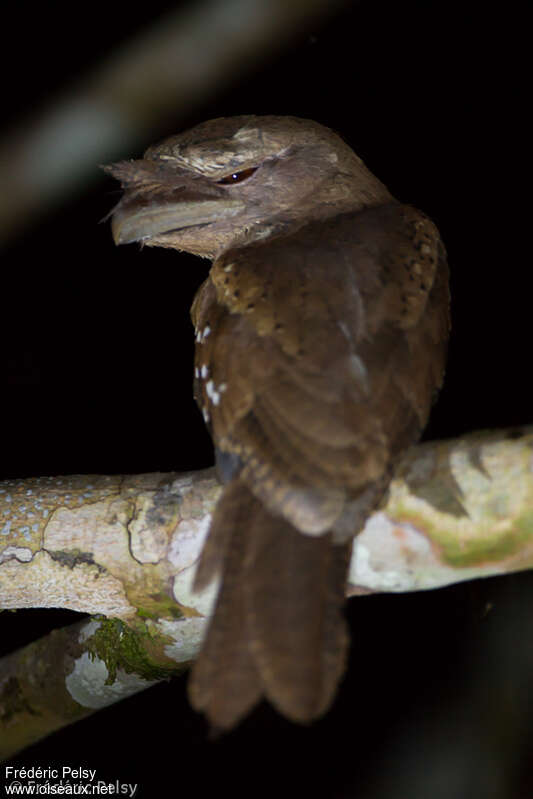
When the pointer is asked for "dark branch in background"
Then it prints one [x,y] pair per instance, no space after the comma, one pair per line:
[165,72]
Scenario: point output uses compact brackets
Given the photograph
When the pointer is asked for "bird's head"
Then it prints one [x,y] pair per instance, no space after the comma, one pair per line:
[236,180]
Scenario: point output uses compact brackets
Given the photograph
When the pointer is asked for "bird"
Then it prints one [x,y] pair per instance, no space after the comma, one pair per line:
[320,345]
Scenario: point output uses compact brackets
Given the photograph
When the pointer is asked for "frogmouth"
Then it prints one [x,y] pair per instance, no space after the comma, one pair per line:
[321,335]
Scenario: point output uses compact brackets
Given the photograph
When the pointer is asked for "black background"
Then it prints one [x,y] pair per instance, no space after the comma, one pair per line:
[96,378]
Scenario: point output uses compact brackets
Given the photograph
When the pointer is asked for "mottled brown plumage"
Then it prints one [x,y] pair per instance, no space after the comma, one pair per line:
[320,343]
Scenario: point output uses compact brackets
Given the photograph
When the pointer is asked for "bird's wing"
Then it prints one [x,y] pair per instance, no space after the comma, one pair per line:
[318,355]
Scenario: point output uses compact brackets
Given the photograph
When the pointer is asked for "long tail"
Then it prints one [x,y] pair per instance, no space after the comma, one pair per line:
[278,629]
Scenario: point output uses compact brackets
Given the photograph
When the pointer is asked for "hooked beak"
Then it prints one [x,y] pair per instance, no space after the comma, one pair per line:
[136,222]
[156,203]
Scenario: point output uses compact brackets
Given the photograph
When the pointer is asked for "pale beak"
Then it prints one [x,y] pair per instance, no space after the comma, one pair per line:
[137,220]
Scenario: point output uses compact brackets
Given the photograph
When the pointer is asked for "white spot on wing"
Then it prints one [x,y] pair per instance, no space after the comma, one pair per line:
[202,335]
[212,392]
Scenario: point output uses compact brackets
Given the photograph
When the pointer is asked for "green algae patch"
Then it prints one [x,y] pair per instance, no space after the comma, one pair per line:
[461,544]
[134,649]
[159,606]
[150,600]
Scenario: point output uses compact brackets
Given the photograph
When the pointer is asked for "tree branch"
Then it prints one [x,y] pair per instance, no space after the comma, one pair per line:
[125,548]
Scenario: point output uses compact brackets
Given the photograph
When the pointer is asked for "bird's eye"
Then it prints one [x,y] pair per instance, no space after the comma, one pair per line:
[238,177]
